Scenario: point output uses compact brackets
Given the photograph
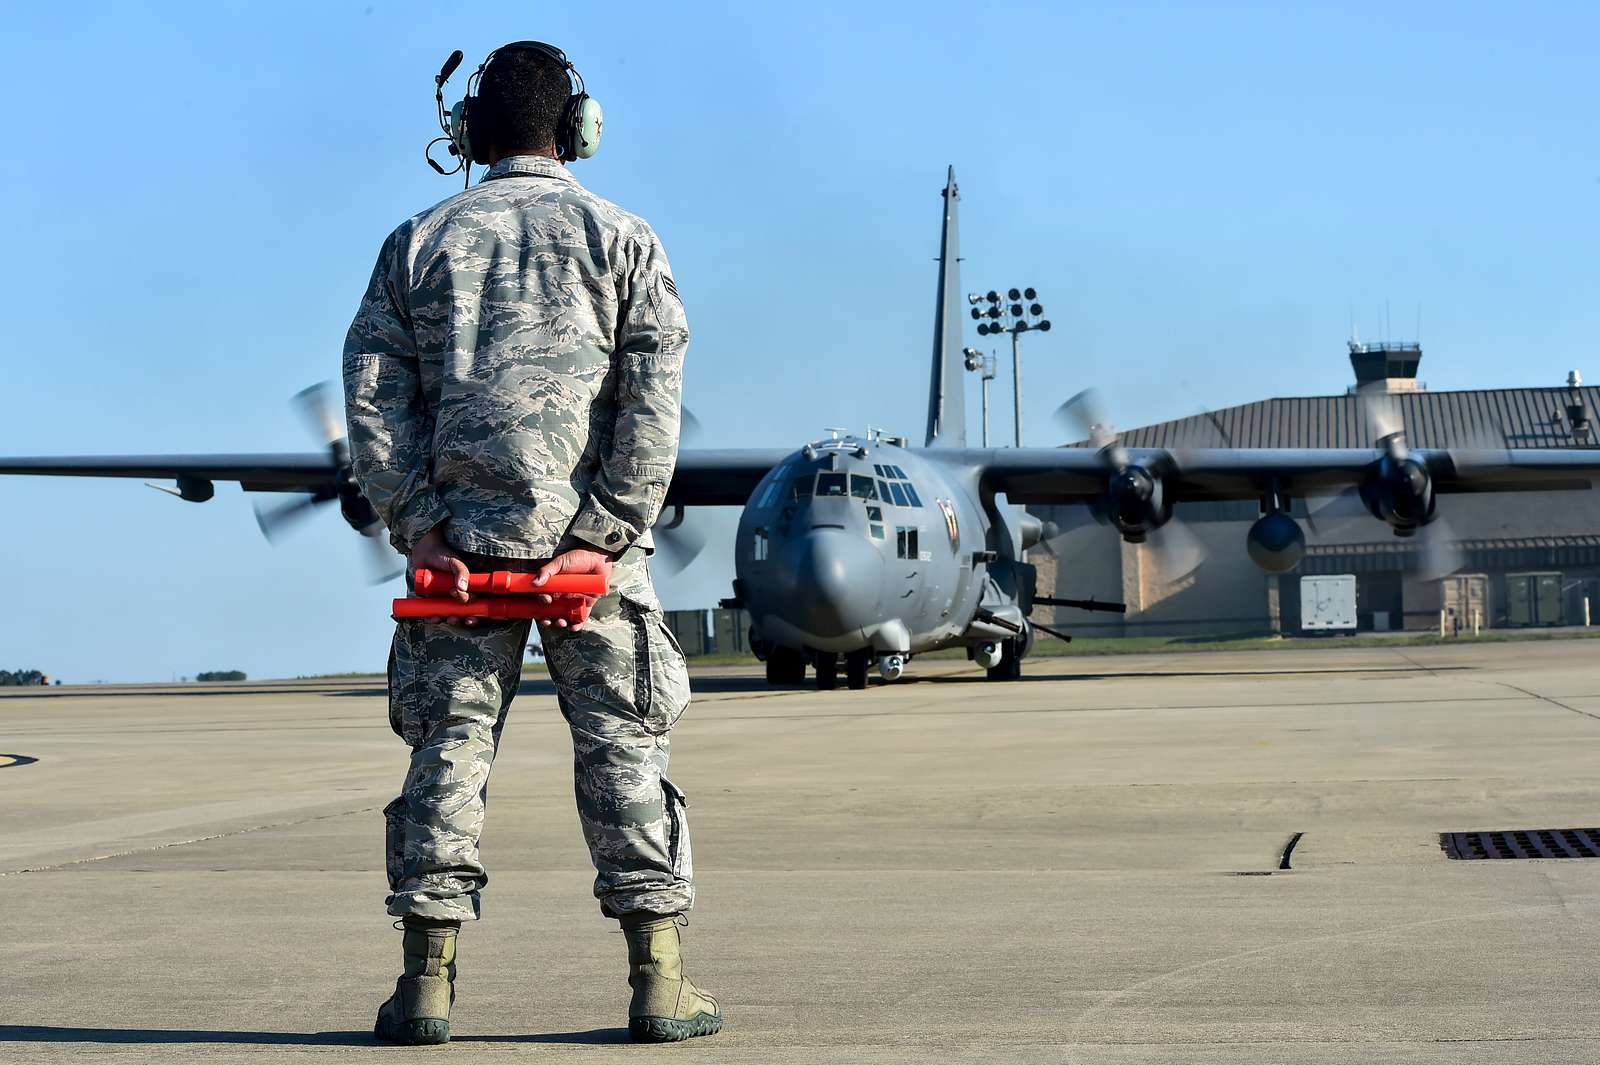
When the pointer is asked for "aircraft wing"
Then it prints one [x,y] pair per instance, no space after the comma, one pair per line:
[1064,475]
[255,473]
[719,478]
[703,477]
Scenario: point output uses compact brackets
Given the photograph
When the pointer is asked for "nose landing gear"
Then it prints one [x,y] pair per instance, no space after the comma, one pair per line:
[827,671]
[855,669]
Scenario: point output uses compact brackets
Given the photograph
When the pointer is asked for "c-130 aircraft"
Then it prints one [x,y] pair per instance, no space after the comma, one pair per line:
[863,548]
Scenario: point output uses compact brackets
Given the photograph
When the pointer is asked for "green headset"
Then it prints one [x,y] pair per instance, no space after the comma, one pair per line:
[577,130]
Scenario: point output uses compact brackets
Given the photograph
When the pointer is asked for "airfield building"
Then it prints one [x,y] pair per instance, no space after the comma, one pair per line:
[1531,558]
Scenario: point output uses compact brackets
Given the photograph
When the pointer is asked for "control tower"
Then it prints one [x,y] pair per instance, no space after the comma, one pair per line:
[1389,366]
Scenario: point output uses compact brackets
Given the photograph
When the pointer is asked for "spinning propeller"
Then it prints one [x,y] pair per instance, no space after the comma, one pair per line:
[679,540]
[316,406]
[1135,500]
[1400,492]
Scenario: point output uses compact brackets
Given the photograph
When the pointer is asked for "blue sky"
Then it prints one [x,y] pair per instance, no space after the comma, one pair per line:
[1202,195]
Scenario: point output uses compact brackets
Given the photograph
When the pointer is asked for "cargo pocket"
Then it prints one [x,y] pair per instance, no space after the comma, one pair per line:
[660,674]
[394,842]
[677,807]
[403,688]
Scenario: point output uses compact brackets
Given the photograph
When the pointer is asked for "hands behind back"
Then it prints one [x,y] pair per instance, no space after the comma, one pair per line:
[433,552]
[573,560]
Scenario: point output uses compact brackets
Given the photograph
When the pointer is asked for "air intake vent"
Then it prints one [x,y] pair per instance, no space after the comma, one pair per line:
[1523,843]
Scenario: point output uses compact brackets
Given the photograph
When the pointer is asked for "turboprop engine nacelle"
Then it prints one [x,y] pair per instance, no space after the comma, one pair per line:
[1135,503]
[1399,491]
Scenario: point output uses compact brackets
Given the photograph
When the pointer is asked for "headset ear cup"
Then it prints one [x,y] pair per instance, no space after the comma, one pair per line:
[587,122]
[460,138]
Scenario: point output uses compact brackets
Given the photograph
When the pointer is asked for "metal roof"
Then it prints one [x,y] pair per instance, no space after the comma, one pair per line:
[1494,417]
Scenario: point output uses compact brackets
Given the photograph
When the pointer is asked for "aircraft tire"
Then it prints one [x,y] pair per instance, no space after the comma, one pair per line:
[1010,667]
[785,667]
[855,670]
[827,671]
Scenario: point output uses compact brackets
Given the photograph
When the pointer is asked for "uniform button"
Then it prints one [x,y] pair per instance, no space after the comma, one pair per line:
[613,537]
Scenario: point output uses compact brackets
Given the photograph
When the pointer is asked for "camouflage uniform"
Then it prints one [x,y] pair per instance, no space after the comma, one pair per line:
[515,369]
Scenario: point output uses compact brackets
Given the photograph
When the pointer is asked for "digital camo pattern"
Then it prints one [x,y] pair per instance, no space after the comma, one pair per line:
[516,366]
[621,684]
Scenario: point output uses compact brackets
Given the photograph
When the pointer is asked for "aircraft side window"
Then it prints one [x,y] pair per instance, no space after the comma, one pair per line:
[877,531]
[874,513]
[759,551]
[899,495]
[911,494]
[862,487]
[803,484]
[830,484]
[905,542]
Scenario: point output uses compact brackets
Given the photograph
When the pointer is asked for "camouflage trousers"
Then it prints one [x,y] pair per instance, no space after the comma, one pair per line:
[621,684]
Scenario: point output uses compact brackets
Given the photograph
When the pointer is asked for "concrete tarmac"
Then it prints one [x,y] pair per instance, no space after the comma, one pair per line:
[1084,866]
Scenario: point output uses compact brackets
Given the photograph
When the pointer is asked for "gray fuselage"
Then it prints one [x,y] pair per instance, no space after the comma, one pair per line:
[854,544]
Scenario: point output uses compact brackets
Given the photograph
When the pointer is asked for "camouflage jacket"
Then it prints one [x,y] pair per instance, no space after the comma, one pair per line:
[516,367]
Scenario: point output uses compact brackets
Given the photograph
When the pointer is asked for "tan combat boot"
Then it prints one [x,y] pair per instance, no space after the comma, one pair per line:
[666,1007]
[418,1012]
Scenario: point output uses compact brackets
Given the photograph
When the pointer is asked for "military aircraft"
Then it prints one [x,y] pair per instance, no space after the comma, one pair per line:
[862,548]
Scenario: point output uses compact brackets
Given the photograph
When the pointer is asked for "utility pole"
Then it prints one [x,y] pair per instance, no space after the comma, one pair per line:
[977,361]
[1009,316]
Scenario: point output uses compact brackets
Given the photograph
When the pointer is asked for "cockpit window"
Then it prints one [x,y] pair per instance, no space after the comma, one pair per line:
[830,484]
[802,484]
[911,495]
[897,494]
[862,487]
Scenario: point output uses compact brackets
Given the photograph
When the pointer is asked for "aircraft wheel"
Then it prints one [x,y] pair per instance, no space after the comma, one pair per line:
[1010,667]
[785,666]
[827,671]
[855,669]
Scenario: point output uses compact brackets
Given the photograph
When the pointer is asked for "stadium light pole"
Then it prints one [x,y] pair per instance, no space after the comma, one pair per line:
[1019,312]
[977,361]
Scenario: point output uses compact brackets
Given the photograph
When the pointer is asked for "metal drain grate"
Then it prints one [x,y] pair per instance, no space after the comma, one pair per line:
[1523,843]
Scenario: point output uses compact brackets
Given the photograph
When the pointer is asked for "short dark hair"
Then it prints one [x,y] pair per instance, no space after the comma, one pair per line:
[522,94]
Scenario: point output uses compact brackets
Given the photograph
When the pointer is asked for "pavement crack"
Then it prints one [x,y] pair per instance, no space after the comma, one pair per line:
[1547,699]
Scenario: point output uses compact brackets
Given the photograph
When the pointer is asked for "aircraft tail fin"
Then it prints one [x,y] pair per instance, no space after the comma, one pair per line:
[947,408]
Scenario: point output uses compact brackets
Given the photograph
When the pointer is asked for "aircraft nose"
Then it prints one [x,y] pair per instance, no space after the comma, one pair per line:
[834,578]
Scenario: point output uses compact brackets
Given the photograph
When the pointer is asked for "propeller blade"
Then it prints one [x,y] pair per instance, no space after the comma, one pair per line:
[1085,415]
[678,544]
[690,431]
[383,563]
[1177,550]
[321,412]
[275,521]
[1441,553]
[1381,418]
[1347,504]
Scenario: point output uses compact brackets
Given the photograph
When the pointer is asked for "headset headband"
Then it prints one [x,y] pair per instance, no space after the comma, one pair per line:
[578,128]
